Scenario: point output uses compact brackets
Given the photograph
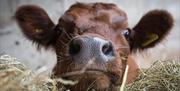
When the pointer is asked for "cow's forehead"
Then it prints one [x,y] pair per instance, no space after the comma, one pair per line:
[89,15]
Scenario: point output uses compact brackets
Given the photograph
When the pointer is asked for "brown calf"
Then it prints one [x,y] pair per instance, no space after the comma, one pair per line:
[93,42]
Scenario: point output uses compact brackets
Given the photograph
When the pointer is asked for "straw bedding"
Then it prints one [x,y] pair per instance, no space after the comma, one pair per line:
[15,76]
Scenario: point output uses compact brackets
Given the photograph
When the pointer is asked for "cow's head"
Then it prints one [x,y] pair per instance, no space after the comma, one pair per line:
[93,41]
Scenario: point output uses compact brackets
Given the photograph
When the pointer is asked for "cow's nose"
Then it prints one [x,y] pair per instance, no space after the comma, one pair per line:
[86,48]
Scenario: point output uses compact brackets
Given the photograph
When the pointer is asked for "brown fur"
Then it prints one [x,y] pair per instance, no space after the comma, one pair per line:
[101,20]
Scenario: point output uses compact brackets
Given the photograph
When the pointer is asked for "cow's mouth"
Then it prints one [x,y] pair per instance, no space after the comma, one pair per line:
[114,78]
[80,72]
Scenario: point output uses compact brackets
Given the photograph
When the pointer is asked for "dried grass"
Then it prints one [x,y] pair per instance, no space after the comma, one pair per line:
[161,76]
[14,76]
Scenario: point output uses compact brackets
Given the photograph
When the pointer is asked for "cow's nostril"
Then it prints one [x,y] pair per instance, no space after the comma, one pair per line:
[107,49]
[74,48]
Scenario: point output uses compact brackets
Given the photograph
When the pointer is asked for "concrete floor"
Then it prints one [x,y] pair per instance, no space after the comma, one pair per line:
[13,43]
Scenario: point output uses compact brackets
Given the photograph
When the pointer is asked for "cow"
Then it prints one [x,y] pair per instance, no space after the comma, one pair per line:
[93,42]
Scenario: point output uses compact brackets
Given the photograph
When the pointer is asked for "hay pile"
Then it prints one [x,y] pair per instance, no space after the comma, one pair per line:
[161,76]
[14,76]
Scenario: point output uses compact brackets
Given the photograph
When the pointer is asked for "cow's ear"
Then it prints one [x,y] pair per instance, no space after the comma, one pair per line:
[151,29]
[35,24]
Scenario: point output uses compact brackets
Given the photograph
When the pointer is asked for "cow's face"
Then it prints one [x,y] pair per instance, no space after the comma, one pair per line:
[93,41]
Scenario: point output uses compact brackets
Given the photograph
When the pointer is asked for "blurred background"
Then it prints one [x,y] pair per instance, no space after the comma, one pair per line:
[13,43]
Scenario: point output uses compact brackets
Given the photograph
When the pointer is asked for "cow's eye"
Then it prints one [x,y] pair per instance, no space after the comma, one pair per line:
[58,30]
[126,33]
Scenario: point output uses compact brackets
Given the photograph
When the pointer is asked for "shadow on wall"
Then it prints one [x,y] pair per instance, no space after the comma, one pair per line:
[12,41]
